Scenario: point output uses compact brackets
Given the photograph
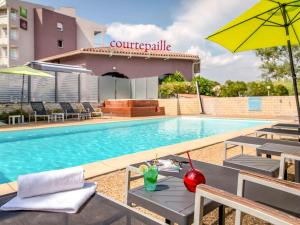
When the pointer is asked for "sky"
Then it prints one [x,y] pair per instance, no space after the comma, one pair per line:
[184,24]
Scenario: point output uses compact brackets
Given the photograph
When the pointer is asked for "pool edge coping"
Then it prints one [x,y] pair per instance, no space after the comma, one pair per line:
[103,167]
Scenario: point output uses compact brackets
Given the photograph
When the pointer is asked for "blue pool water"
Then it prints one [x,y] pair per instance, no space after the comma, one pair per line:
[29,151]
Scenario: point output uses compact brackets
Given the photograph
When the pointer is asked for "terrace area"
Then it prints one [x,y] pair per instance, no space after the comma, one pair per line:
[110,174]
[133,134]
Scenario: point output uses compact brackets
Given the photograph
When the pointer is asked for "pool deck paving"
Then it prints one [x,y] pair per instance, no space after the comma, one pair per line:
[99,168]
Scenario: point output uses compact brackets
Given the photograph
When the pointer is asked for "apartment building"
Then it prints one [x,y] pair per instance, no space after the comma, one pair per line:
[31,31]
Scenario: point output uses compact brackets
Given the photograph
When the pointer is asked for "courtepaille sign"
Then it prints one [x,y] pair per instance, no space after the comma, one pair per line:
[158,46]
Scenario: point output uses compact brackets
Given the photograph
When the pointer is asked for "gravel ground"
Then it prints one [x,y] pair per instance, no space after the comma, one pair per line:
[112,184]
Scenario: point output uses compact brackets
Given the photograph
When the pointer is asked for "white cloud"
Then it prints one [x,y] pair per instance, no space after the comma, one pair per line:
[197,19]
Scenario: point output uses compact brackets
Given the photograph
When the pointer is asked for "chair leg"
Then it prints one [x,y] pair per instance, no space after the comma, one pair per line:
[221,219]
[238,217]
[281,168]
[285,177]
[198,214]
[240,192]
[225,150]
[127,184]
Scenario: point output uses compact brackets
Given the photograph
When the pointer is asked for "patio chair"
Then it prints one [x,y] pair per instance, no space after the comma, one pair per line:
[266,166]
[89,108]
[254,142]
[263,146]
[283,158]
[245,205]
[69,111]
[39,111]
[288,126]
[279,132]
[98,210]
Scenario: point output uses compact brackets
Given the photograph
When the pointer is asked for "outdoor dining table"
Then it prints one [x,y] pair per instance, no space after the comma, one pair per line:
[277,149]
[172,201]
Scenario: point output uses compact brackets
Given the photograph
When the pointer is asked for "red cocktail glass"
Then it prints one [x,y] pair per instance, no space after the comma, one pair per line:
[193,177]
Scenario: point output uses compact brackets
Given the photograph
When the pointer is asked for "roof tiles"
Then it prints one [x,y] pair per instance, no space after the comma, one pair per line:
[127,53]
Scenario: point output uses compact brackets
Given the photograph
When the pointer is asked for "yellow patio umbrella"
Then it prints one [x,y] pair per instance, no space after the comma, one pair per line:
[23,71]
[268,23]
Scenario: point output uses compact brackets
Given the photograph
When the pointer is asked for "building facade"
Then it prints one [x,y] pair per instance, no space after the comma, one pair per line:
[129,63]
[31,31]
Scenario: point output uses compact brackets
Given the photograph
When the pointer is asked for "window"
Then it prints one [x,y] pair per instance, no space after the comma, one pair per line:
[3,32]
[97,39]
[60,26]
[14,53]
[14,34]
[196,67]
[3,52]
[14,14]
[3,12]
[60,43]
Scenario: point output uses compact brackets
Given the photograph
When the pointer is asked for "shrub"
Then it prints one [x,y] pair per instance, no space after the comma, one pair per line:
[259,88]
[176,77]
[233,89]
[280,90]
[4,115]
[172,89]
[206,86]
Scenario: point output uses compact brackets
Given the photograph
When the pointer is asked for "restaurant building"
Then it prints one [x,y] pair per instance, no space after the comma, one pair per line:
[130,63]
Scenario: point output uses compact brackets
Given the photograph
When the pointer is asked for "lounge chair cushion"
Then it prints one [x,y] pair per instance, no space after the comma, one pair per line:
[38,108]
[88,107]
[67,107]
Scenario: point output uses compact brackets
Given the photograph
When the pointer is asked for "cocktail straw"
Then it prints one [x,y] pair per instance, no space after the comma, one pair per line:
[155,160]
[190,160]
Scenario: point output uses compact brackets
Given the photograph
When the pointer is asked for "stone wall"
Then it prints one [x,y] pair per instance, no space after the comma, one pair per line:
[180,106]
[271,107]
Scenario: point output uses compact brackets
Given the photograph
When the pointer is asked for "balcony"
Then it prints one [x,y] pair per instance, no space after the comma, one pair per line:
[3,61]
[3,41]
[3,19]
[13,39]
[14,16]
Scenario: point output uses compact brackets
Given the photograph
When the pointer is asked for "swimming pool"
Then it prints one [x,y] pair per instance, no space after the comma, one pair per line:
[35,150]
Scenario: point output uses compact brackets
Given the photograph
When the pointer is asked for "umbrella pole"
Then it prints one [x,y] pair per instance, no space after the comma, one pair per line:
[22,94]
[294,77]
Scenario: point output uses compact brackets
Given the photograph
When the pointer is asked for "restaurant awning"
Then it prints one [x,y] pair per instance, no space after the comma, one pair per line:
[45,66]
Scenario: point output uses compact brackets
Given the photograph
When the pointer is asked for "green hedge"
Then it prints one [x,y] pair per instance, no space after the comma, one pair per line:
[4,115]
[176,84]
[174,88]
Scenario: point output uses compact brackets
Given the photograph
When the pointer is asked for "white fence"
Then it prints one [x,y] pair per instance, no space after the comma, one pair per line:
[74,87]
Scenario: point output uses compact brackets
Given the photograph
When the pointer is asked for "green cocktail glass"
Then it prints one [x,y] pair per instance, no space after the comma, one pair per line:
[150,178]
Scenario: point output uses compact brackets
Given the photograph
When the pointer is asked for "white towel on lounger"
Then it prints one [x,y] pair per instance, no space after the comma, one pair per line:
[50,182]
[67,201]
